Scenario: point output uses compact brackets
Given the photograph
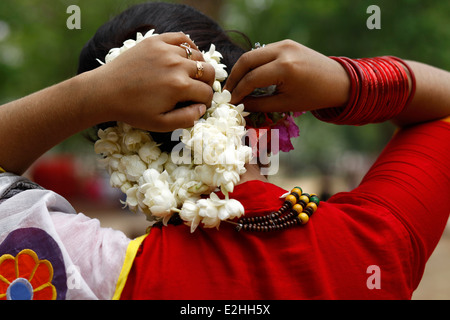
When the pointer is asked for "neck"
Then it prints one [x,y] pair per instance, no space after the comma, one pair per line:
[253,173]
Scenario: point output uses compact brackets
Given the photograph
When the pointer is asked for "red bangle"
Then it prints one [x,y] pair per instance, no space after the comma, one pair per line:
[371,104]
[383,88]
[392,82]
[384,76]
[379,91]
[413,79]
[355,114]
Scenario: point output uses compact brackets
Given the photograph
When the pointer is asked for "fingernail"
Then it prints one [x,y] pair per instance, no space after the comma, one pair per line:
[202,109]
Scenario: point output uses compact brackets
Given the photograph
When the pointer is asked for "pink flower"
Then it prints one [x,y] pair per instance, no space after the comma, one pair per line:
[297,114]
[287,130]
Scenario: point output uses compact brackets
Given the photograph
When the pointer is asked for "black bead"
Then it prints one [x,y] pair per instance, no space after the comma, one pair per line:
[309,211]
[302,203]
[296,195]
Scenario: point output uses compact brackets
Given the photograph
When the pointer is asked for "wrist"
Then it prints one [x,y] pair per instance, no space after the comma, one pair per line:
[92,103]
[341,85]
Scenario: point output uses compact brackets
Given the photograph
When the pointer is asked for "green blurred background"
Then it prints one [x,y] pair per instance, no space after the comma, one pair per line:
[38,50]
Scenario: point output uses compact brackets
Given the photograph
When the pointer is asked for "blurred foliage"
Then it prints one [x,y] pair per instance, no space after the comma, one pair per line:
[38,50]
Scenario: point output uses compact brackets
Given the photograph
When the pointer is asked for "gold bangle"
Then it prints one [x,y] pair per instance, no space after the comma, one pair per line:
[2,170]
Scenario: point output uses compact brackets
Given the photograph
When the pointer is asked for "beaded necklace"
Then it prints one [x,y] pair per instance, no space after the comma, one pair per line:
[296,210]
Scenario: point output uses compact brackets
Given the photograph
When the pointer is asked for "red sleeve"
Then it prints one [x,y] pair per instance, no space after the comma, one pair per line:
[411,178]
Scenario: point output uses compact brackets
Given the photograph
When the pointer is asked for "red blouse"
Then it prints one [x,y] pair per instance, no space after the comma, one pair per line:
[370,243]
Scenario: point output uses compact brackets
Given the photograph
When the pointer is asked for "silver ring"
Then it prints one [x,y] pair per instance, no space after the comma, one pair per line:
[258,45]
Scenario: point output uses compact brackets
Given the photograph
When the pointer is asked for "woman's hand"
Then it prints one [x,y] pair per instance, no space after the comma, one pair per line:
[142,86]
[305,79]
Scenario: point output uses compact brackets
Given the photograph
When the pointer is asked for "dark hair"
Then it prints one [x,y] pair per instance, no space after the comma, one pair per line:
[163,17]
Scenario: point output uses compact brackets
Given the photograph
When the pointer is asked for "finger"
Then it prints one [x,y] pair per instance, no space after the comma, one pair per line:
[202,71]
[181,118]
[190,53]
[261,77]
[177,38]
[247,62]
[265,104]
[197,91]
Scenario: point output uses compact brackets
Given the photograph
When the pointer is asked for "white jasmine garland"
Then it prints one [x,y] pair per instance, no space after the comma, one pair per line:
[159,186]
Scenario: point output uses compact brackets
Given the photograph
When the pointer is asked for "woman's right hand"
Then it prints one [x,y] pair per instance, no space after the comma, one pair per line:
[142,86]
[305,79]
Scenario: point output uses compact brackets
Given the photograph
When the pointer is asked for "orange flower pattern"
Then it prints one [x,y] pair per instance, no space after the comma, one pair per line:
[25,277]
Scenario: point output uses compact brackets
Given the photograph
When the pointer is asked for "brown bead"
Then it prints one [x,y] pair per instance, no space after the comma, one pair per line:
[296,195]
[309,211]
[302,203]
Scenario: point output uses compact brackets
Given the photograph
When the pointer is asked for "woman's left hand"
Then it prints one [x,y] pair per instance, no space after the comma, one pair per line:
[304,79]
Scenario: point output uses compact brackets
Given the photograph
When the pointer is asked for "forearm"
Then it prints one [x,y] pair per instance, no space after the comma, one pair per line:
[32,125]
[431,100]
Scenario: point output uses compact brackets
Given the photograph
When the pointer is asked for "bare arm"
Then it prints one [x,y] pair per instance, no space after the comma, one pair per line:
[136,88]
[32,125]
[432,97]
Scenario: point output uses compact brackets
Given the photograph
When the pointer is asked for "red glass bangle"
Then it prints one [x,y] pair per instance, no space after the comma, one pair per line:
[383,77]
[411,91]
[392,94]
[380,89]
[354,115]
[371,105]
